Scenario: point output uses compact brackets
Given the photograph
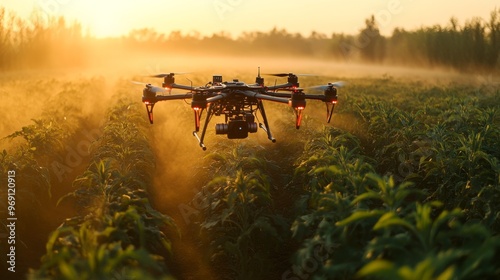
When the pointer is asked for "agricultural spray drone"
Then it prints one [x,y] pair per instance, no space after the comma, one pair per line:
[238,102]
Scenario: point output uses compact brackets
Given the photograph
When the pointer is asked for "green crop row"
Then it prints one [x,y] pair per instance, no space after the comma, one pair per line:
[361,224]
[117,233]
[238,221]
[445,141]
[45,154]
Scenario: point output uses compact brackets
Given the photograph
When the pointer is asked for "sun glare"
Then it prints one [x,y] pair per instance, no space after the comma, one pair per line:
[101,28]
[104,19]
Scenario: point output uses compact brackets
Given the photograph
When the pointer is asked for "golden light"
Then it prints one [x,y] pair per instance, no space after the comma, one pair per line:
[104,19]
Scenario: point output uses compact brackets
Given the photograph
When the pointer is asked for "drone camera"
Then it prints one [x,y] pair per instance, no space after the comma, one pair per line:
[236,129]
[221,128]
[252,127]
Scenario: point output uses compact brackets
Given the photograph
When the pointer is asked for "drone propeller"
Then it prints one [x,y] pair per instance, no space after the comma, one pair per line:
[150,87]
[169,74]
[338,84]
[287,74]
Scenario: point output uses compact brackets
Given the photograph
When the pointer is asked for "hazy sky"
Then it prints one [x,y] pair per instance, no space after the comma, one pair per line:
[118,17]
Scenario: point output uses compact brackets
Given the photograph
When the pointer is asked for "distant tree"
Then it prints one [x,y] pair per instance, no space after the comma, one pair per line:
[371,42]
[493,52]
[52,42]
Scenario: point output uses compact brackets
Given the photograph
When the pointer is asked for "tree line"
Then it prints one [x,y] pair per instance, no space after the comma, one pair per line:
[473,45]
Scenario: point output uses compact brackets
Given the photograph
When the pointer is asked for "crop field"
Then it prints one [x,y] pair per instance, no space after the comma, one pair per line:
[404,183]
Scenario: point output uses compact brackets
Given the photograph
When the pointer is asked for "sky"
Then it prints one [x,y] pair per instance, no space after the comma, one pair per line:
[103,18]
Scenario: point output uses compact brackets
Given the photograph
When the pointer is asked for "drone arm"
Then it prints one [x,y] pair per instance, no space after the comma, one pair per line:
[282,86]
[315,97]
[177,86]
[278,94]
[173,97]
[220,96]
[261,96]
[272,98]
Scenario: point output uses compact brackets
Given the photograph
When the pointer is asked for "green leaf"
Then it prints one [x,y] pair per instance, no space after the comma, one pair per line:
[380,268]
[366,196]
[390,219]
[358,216]
[447,274]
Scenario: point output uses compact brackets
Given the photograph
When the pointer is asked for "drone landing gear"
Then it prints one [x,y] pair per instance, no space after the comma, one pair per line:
[265,127]
[205,125]
[298,114]
[197,116]
[149,108]
[329,111]
[195,134]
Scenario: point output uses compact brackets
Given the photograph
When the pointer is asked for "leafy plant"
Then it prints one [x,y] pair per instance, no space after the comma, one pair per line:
[239,222]
[118,231]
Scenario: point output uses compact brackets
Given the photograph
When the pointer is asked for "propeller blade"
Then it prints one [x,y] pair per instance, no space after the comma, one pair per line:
[277,74]
[138,83]
[165,75]
[307,75]
[288,74]
[338,84]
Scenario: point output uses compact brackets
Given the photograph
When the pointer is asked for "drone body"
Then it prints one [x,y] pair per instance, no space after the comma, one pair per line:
[238,102]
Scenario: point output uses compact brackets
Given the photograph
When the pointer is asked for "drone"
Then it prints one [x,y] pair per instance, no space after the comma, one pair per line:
[238,102]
